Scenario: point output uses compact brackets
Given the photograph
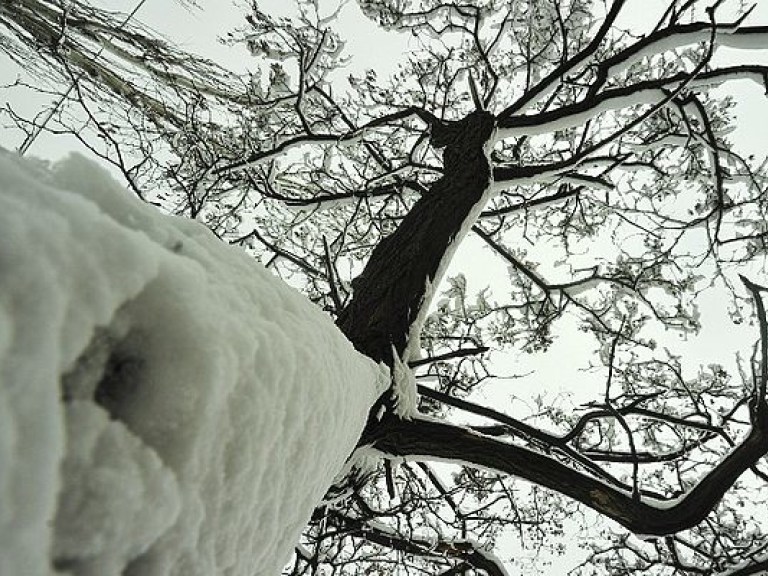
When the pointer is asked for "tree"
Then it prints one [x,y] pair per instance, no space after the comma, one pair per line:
[594,161]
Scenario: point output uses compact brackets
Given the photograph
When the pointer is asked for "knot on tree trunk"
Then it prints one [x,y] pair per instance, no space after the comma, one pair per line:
[462,137]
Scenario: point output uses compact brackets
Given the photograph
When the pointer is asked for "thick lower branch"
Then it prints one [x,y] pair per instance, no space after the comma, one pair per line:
[427,439]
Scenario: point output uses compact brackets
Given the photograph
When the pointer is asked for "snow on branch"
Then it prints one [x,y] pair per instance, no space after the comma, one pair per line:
[325,138]
[646,92]
[425,439]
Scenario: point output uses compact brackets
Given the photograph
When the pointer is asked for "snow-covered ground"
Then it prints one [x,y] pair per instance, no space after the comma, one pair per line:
[166,405]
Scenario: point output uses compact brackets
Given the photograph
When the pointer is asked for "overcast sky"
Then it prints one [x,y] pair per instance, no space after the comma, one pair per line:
[372,47]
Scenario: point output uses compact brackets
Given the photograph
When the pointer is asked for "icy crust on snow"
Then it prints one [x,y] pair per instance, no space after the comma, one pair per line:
[167,407]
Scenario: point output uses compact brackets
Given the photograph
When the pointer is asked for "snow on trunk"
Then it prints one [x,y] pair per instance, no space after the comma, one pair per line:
[167,407]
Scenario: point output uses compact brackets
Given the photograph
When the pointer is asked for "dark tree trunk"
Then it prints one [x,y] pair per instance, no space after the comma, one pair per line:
[390,292]
[386,302]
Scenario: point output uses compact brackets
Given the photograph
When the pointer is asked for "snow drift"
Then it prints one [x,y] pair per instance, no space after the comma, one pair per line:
[167,407]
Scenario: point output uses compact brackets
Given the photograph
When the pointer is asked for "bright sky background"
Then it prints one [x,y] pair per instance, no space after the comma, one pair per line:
[374,48]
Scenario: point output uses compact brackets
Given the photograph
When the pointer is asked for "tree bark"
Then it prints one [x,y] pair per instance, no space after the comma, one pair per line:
[427,439]
[391,290]
[386,302]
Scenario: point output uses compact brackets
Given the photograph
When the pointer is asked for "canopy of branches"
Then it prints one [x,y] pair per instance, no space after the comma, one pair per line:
[588,148]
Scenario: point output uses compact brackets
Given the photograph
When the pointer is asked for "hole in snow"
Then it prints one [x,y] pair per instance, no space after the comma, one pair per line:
[65,565]
[119,382]
[82,379]
[105,372]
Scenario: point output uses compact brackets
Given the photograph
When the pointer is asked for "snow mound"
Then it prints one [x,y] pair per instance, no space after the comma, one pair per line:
[167,407]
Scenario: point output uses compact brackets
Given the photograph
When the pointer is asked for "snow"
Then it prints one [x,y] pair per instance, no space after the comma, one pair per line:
[404,388]
[744,566]
[548,176]
[406,398]
[639,97]
[493,558]
[725,37]
[167,407]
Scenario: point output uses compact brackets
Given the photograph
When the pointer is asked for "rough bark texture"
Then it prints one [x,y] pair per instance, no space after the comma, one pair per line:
[390,291]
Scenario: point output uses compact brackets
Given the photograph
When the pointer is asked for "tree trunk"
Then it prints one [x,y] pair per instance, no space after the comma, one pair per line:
[392,288]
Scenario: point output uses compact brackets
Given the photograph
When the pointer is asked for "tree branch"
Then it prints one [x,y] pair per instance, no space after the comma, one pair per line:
[427,439]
